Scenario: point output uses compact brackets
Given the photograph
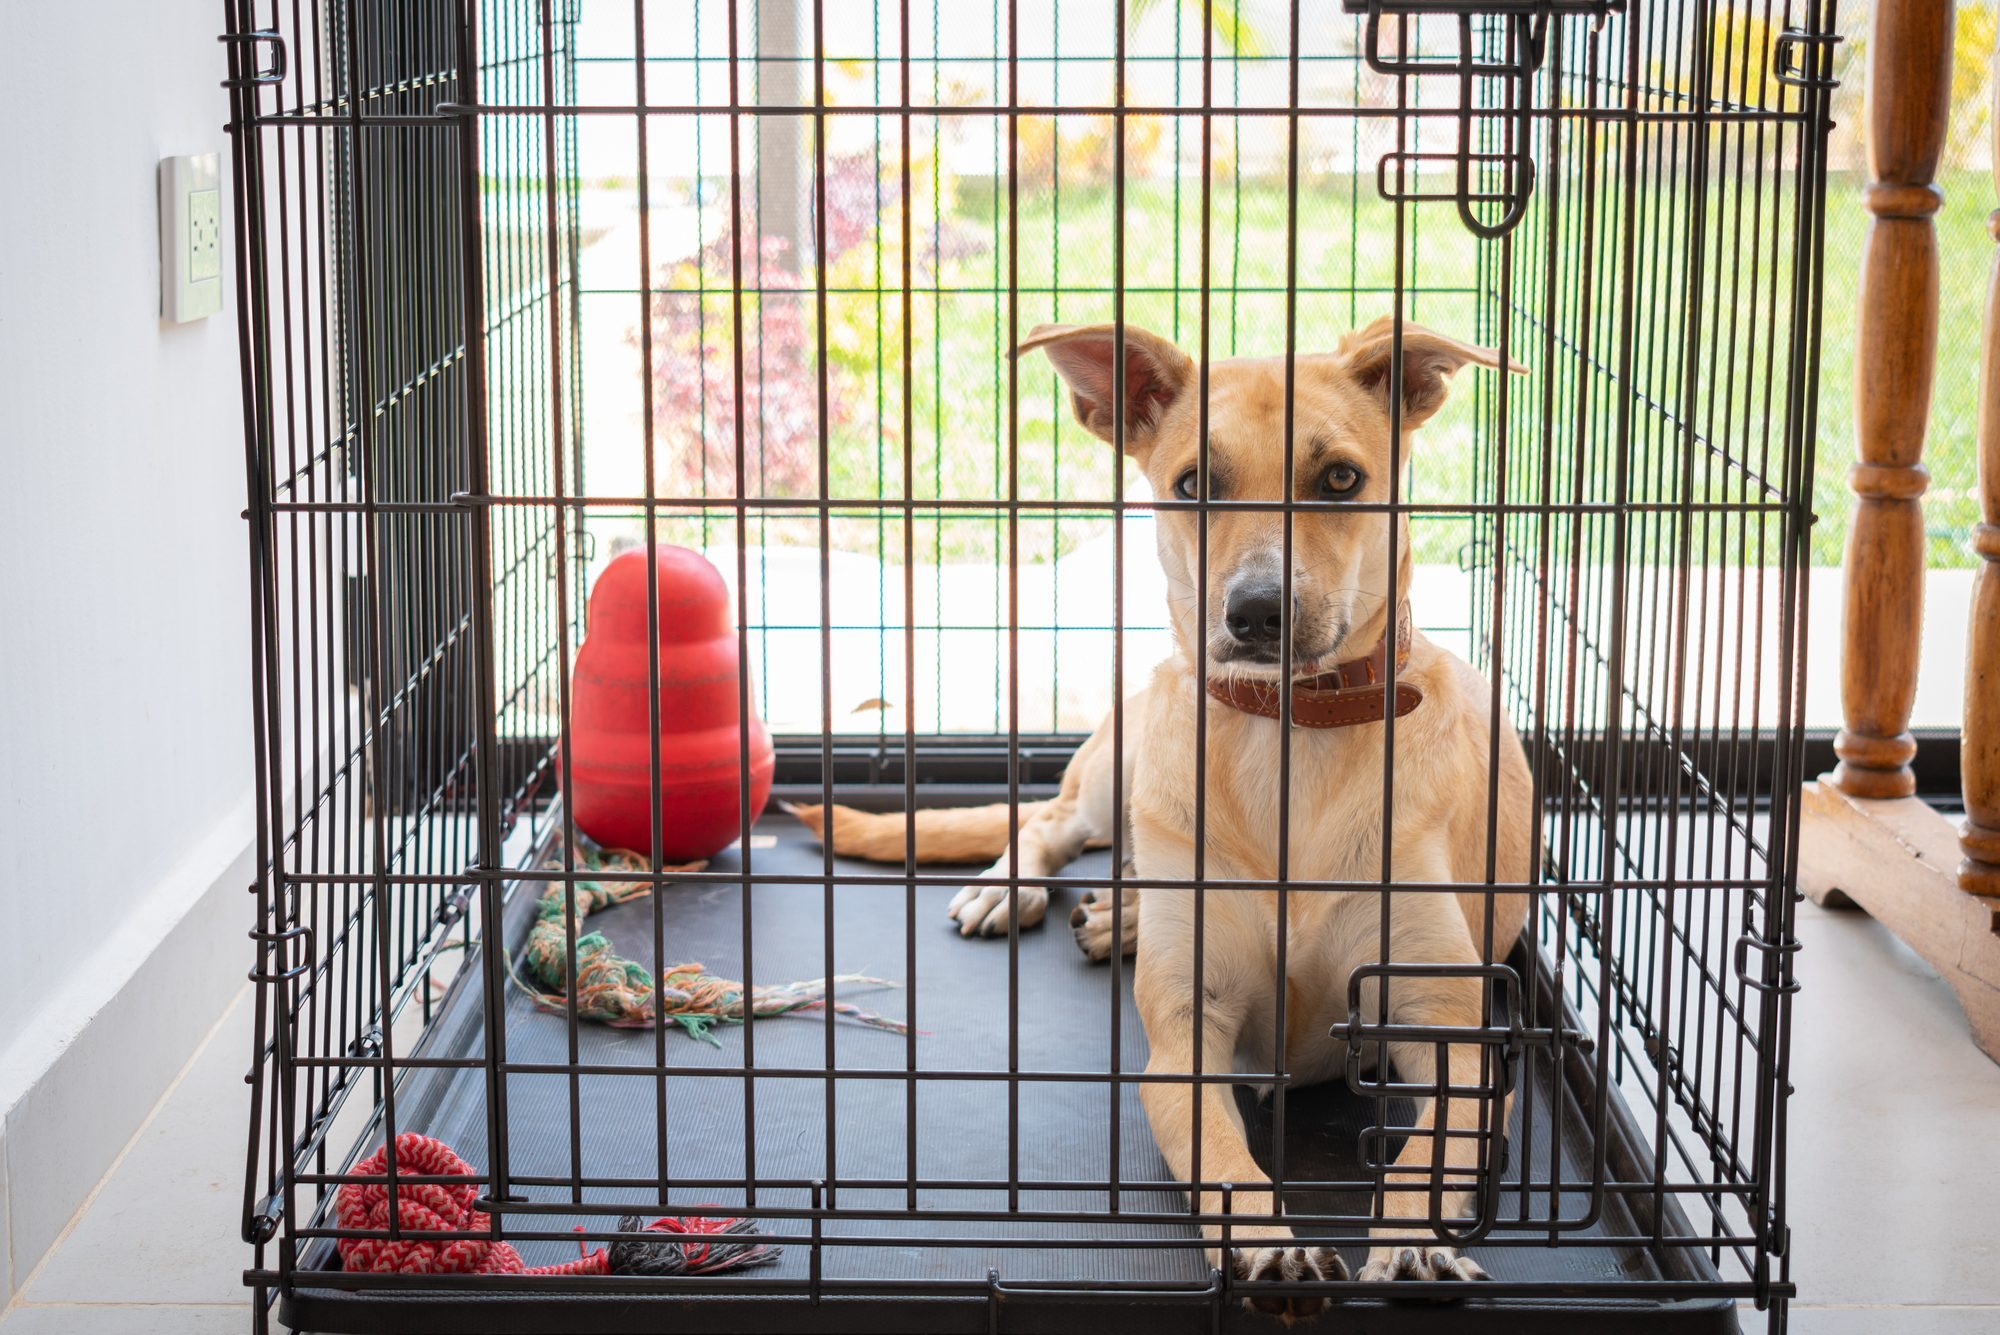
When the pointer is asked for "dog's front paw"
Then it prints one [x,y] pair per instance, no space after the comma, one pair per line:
[1091,922]
[983,908]
[1432,1262]
[1279,1264]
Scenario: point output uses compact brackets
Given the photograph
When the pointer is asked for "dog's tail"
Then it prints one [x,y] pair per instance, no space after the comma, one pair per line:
[944,834]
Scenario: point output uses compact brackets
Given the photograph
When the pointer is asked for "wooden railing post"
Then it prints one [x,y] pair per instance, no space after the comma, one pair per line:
[1909,95]
[1866,839]
[1979,746]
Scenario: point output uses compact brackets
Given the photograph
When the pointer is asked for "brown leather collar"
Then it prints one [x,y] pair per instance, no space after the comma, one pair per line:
[1339,698]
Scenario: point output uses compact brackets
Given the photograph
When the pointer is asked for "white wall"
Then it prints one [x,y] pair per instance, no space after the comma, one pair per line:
[125,761]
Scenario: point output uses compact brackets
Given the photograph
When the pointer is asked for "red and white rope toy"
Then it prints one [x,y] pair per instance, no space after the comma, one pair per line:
[688,1246]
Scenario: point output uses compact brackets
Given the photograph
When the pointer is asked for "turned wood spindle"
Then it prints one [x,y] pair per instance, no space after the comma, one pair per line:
[1909,95]
[1979,746]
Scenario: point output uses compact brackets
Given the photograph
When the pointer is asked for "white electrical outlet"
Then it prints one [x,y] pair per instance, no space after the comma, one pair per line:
[190,238]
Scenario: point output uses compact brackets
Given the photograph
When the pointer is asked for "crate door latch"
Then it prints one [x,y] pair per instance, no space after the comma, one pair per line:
[1502,178]
[1503,1040]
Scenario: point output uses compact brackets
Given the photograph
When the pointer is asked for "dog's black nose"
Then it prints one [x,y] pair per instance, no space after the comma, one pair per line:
[1253,613]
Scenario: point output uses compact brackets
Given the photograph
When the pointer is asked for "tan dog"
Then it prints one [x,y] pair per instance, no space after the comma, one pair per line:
[1341,614]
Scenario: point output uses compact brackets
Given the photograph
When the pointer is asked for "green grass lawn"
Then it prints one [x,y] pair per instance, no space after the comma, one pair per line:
[1346,274]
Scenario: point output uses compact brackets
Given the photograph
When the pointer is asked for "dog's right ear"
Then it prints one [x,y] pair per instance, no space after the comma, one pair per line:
[1430,359]
[1156,373]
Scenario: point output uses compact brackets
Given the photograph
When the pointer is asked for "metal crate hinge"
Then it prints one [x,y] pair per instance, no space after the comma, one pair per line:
[254,77]
[274,945]
[263,1225]
[453,907]
[1771,952]
[488,1203]
[1819,45]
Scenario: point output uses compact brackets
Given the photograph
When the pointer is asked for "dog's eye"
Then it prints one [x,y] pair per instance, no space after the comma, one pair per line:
[1184,485]
[1340,481]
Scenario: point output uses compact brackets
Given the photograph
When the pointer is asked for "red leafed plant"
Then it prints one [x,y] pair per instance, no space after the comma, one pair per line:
[695,404]
[694,354]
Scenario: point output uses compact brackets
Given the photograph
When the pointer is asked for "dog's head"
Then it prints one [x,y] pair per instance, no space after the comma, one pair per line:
[1341,453]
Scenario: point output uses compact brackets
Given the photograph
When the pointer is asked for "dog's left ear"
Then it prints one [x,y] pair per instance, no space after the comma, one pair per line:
[1429,361]
[1156,373]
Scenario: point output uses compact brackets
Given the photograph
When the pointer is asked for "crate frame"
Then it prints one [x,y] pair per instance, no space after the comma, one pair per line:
[436,755]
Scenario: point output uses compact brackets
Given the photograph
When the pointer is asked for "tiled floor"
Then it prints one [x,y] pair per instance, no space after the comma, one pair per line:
[155,1251]
[1895,1172]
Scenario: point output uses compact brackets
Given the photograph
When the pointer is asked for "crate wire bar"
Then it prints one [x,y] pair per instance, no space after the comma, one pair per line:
[523,283]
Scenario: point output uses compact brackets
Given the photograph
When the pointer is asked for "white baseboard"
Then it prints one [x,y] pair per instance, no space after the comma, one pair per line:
[77,1082]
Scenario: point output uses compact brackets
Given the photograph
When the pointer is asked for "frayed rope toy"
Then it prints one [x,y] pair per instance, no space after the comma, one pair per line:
[613,990]
[698,1245]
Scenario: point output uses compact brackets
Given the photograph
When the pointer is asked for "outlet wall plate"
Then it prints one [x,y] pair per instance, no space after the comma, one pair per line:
[190,238]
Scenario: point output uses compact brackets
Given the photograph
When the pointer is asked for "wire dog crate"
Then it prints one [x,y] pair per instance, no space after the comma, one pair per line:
[524,285]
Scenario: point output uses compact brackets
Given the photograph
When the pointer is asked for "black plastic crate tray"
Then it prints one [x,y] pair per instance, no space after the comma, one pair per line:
[1064,1135]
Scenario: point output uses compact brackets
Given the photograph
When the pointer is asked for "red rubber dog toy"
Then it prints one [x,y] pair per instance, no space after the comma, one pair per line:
[701,738]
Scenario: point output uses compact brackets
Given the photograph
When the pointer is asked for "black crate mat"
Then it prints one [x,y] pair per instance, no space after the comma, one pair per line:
[1056,1138]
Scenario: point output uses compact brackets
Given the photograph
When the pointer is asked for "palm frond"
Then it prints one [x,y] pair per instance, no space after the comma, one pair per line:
[1226,17]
